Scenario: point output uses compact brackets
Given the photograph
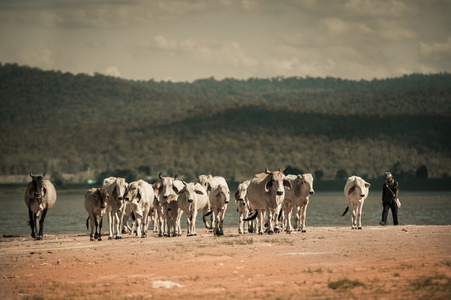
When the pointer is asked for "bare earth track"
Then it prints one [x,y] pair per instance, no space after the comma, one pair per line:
[405,262]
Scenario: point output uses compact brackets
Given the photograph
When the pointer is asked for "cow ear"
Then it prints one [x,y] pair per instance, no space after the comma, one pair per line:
[30,191]
[351,190]
[199,192]
[236,195]
[367,185]
[287,183]
[138,195]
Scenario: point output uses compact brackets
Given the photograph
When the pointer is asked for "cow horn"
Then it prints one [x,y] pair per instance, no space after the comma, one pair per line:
[175,176]
[31,175]
[159,175]
[284,171]
[267,171]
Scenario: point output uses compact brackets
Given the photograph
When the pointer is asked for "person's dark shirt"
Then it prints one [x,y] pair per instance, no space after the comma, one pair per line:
[387,195]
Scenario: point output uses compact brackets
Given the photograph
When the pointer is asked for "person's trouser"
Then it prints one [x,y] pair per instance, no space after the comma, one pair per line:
[394,211]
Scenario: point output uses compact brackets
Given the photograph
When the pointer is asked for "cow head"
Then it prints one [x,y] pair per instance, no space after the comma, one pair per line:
[305,182]
[240,194]
[101,198]
[360,187]
[158,188]
[190,191]
[133,197]
[172,202]
[37,189]
[168,187]
[276,181]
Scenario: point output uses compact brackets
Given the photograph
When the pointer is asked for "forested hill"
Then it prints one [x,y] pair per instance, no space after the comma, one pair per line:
[32,97]
[92,126]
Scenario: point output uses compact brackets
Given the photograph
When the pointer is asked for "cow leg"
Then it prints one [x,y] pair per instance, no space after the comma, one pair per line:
[193,222]
[160,222]
[110,225]
[32,223]
[100,228]
[304,212]
[354,217]
[261,215]
[91,219]
[145,224]
[360,215]
[118,218]
[96,223]
[188,225]
[41,225]
[241,224]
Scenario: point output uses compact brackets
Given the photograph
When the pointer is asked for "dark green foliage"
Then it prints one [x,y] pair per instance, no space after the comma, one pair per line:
[64,123]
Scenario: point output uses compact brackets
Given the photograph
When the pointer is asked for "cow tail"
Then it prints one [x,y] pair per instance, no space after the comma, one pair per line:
[87,223]
[133,217]
[208,213]
[252,217]
[346,210]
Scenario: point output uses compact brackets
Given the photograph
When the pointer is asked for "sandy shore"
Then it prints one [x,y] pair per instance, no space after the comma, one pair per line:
[406,262]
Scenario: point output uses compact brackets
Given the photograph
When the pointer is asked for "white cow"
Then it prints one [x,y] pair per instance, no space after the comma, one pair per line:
[242,204]
[356,190]
[297,200]
[192,198]
[170,186]
[209,181]
[219,198]
[266,193]
[140,197]
[95,203]
[116,188]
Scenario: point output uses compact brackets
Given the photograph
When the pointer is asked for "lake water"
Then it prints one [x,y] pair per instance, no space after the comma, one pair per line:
[68,216]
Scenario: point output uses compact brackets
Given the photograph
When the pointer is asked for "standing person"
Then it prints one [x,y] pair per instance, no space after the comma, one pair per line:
[389,194]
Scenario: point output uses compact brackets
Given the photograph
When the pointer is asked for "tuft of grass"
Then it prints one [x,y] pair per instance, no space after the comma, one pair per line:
[238,242]
[308,270]
[279,241]
[344,284]
[438,282]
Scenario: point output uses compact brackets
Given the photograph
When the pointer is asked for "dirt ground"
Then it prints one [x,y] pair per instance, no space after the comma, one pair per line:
[406,262]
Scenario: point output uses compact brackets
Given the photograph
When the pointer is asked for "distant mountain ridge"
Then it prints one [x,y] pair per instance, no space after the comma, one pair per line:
[30,96]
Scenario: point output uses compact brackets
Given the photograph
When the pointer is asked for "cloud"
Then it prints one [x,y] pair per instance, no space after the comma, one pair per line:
[112,71]
[165,44]
[438,48]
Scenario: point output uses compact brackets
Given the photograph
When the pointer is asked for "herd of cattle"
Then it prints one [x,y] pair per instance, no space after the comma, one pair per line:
[265,204]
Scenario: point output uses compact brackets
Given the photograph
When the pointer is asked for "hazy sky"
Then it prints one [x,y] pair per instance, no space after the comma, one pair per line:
[187,40]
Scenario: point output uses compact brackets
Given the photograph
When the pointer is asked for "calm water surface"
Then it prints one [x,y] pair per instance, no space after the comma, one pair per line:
[68,216]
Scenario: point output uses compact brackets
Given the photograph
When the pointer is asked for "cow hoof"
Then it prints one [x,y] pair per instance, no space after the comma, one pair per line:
[144,236]
[270,232]
[100,239]
[160,235]
[110,238]
[91,239]
[360,228]
[39,238]
[304,231]
[118,237]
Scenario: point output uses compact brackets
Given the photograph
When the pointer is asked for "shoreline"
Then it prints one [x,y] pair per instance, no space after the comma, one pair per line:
[393,262]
